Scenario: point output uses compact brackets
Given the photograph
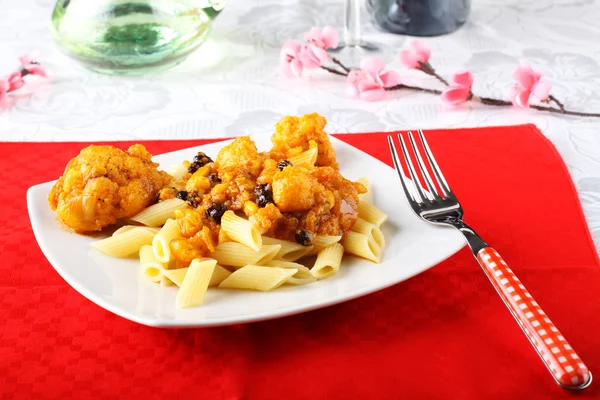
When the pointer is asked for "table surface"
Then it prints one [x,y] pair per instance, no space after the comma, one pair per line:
[232,85]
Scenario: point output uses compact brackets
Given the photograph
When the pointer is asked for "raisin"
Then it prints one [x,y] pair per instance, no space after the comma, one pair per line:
[284,163]
[264,194]
[202,158]
[215,211]
[194,199]
[193,168]
[183,195]
[214,178]
[199,161]
[305,238]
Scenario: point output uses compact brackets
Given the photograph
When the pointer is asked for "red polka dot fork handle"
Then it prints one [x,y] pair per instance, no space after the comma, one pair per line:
[564,364]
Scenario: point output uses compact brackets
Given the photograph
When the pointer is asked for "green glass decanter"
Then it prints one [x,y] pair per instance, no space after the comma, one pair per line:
[132,37]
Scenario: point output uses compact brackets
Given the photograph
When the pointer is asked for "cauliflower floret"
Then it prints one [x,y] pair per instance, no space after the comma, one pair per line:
[294,135]
[103,184]
[240,157]
[295,189]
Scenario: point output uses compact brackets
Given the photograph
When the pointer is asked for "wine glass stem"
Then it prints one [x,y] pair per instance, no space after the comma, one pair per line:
[352,23]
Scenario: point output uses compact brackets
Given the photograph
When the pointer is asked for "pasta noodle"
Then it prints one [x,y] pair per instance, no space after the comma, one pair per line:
[164,281]
[308,157]
[195,284]
[151,268]
[157,214]
[177,275]
[238,255]
[371,214]
[362,245]
[302,277]
[124,244]
[322,241]
[241,230]
[328,261]
[289,251]
[126,228]
[369,229]
[162,241]
[218,276]
[366,197]
[258,278]
[223,237]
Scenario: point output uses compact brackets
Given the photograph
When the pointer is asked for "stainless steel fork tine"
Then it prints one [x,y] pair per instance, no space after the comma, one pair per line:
[434,166]
[403,179]
[419,191]
[432,192]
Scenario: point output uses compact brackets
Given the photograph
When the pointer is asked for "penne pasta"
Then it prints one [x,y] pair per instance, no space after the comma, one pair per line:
[366,197]
[151,268]
[258,278]
[241,230]
[162,241]
[369,229]
[176,275]
[164,281]
[289,251]
[195,284]
[306,158]
[218,276]
[322,241]
[328,261]
[223,237]
[302,277]
[238,255]
[157,214]
[372,214]
[124,244]
[126,228]
[361,245]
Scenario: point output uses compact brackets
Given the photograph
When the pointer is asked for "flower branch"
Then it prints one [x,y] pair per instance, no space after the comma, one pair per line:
[333,71]
[372,81]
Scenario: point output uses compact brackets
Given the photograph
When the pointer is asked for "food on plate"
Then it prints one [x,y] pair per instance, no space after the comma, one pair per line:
[246,219]
[104,184]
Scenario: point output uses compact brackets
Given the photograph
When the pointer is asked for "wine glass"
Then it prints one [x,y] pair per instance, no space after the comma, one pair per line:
[352,47]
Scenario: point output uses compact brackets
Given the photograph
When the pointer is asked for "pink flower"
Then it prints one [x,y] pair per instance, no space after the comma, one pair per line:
[15,81]
[319,41]
[290,60]
[418,53]
[311,57]
[4,89]
[31,66]
[527,84]
[325,39]
[370,81]
[460,90]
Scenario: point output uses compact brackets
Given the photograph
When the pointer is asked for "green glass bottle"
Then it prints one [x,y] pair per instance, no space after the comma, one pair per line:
[132,37]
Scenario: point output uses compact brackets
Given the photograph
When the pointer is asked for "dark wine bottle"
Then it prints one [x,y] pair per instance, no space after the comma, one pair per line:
[419,17]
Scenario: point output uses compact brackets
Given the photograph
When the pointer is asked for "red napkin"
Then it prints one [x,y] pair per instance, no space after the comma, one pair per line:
[444,334]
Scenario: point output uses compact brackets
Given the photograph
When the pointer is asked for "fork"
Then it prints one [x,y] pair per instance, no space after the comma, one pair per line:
[443,208]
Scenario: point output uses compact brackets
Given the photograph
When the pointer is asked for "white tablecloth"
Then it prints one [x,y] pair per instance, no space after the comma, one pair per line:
[232,85]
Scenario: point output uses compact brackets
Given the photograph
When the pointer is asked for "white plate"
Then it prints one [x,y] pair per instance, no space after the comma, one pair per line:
[116,285]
